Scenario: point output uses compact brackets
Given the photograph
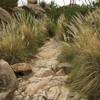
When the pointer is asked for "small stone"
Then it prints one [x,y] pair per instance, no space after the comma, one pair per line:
[19,97]
[27,98]
[23,93]
[16,93]
[19,90]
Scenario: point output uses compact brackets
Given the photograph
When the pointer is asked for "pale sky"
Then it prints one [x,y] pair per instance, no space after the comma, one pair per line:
[58,2]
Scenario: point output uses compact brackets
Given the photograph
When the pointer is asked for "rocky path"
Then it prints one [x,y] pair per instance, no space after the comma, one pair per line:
[48,79]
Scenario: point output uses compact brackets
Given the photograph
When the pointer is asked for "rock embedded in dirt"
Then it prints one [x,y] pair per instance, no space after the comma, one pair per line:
[7,79]
[22,68]
[44,72]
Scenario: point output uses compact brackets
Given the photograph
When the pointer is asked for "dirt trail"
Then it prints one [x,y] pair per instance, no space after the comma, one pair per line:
[49,79]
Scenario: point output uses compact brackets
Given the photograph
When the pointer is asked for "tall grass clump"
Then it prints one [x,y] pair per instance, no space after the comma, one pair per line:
[56,30]
[22,37]
[60,33]
[84,55]
[32,30]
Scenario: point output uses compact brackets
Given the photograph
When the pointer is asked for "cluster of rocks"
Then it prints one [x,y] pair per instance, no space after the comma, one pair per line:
[9,7]
[35,9]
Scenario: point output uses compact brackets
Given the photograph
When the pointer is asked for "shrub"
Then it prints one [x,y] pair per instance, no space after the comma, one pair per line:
[33,31]
[60,28]
[12,49]
[85,75]
[54,11]
[57,29]
[22,37]
[51,28]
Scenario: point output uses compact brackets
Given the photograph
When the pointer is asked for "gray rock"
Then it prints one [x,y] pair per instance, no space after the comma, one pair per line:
[4,15]
[7,79]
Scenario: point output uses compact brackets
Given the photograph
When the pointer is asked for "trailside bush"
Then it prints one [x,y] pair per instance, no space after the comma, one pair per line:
[54,11]
[22,37]
[84,54]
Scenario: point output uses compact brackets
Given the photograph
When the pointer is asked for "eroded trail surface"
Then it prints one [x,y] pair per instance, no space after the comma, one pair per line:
[49,78]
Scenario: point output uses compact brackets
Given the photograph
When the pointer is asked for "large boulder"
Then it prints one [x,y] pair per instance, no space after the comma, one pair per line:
[7,79]
[37,10]
[4,15]
[32,1]
[34,9]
